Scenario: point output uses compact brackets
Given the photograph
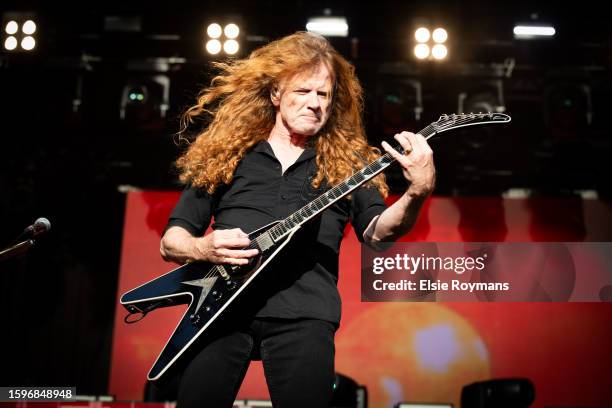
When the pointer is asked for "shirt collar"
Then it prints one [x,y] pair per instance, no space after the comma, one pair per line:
[264,147]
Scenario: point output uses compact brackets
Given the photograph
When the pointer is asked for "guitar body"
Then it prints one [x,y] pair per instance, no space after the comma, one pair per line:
[204,289]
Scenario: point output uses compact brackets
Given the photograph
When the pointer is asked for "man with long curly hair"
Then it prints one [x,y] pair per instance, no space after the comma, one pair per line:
[285,125]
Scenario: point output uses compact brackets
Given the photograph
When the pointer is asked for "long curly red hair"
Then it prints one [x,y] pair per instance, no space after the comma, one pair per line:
[238,102]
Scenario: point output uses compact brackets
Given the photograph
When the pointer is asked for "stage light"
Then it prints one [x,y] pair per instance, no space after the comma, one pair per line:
[213,46]
[421,35]
[399,103]
[214,31]
[421,51]
[137,95]
[230,47]
[439,51]
[568,109]
[495,393]
[440,35]
[19,31]
[28,43]
[429,42]
[525,32]
[29,27]
[11,27]
[348,393]
[145,101]
[231,31]
[10,43]
[222,39]
[328,26]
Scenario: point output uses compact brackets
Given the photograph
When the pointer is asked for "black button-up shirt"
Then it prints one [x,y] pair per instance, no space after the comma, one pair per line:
[300,282]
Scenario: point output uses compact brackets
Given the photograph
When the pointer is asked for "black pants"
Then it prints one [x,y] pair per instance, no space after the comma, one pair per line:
[297,357]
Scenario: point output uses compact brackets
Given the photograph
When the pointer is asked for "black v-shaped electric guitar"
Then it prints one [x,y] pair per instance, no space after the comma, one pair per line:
[209,288]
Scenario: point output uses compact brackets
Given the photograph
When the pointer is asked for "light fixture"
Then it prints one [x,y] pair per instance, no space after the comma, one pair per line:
[328,26]
[439,35]
[29,27]
[525,32]
[231,31]
[421,51]
[28,43]
[11,27]
[429,43]
[231,47]
[214,30]
[19,30]
[10,43]
[439,51]
[145,100]
[213,46]
[421,35]
[138,94]
[222,39]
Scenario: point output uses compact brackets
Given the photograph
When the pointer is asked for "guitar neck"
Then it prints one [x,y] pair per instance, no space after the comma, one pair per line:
[336,193]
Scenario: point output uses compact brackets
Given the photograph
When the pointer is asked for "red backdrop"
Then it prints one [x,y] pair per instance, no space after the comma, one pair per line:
[416,351]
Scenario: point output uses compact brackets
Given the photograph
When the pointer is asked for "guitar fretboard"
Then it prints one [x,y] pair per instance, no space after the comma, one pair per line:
[337,192]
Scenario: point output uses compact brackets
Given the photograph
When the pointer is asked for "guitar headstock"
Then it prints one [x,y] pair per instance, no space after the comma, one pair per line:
[447,122]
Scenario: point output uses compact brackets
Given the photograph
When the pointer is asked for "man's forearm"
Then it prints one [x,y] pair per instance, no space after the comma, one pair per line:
[178,245]
[396,220]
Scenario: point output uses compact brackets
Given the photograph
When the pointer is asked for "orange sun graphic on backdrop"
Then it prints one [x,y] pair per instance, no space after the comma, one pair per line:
[420,352]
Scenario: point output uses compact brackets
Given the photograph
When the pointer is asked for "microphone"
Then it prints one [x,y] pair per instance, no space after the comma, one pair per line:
[40,226]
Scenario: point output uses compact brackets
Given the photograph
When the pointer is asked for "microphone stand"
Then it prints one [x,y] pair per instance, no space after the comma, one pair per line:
[16,249]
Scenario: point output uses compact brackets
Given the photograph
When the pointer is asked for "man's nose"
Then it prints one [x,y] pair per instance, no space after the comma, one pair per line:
[313,100]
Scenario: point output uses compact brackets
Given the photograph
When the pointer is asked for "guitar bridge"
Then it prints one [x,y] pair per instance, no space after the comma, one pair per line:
[222,272]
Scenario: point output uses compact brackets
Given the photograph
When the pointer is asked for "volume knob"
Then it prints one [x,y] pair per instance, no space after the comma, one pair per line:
[195,318]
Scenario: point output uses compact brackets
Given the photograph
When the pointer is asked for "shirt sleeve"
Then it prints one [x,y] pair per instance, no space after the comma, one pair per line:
[192,212]
[366,204]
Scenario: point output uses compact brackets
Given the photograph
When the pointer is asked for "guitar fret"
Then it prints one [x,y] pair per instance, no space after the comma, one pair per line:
[374,165]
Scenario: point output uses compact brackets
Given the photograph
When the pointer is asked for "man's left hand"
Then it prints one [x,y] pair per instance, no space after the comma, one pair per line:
[417,162]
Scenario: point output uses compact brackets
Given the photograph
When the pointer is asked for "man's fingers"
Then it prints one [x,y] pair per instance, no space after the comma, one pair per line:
[404,141]
[232,238]
[422,142]
[237,253]
[394,153]
[230,242]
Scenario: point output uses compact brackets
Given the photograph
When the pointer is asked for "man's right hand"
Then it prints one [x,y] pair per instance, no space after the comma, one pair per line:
[220,246]
[224,247]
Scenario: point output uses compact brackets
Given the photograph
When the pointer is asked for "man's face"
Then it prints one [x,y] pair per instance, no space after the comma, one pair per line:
[304,101]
